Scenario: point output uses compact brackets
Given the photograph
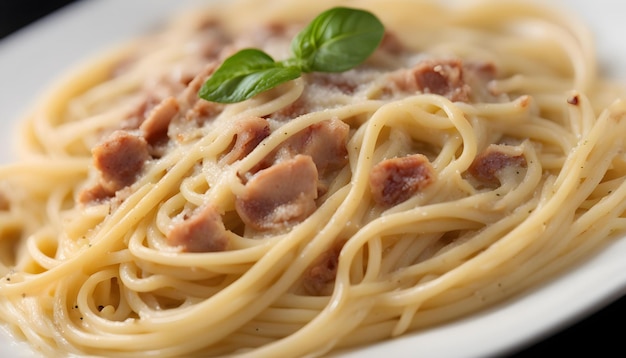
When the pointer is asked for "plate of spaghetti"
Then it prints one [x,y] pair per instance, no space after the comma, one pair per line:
[307,179]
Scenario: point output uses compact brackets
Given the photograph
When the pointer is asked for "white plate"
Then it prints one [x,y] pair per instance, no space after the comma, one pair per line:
[31,59]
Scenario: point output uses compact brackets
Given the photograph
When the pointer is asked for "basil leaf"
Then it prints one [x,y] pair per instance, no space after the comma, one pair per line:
[337,40]
[244,75]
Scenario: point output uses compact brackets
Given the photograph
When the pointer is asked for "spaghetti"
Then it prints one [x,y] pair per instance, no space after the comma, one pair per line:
[474,154]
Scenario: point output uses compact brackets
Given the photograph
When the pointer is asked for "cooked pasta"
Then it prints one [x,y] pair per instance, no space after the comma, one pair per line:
[474,155]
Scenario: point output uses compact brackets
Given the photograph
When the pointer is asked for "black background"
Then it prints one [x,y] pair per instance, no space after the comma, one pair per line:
[600,335]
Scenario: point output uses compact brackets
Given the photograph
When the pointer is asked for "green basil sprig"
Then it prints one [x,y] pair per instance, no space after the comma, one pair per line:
[335,41]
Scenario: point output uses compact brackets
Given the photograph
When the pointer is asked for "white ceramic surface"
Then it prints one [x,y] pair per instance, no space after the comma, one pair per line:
[35,56]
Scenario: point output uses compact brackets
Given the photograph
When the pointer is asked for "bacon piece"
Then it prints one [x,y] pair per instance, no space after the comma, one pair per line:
[154,128]
[197,109]
[94,194]
[280,195]
[485,70]
[190,94]
[392,44]
[325,142]
[318,279]
[211,38]
[250,132]
[156,92]
[5,203]
[489,163]
[395,180]
[203,111]
[138,114]
[479,76]
[120,159]
[203,231]
[441,77]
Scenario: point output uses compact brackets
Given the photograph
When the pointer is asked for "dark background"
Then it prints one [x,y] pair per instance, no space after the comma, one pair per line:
[600,335]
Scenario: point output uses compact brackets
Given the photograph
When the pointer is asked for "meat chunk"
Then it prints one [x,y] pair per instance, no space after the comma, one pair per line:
[250,132]
[441,77]
[488,165]
[392,44]
[203,231]
[197,109]
[190,94]
[138,114]
[280,195]
[485,70]
[203,111]
[319,278]
[5,203]
[325,142]
[94,194]
[395,180]
[154,128]
[120,159]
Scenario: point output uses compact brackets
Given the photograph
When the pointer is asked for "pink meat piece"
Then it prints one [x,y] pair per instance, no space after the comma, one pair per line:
[441,77]
[250,132]
[154,128]
[120,159]
[491,161]
[395,180]
[325,142]
[203,231]
[280,195]
[319,278]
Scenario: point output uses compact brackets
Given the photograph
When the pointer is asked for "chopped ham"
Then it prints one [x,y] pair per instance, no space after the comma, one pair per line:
[154,128]
[392,44]
[325,142]
[212,39]
[319,278]
[203,111]
[479,76]
[280,195]
[120,159]
[138,114]
[196,111]
[163,97]
[190,94]
[94,194]
[5,203]
[395,180]
[488,165]
[203,231]
[441,77]
[250,132]
[485,70]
